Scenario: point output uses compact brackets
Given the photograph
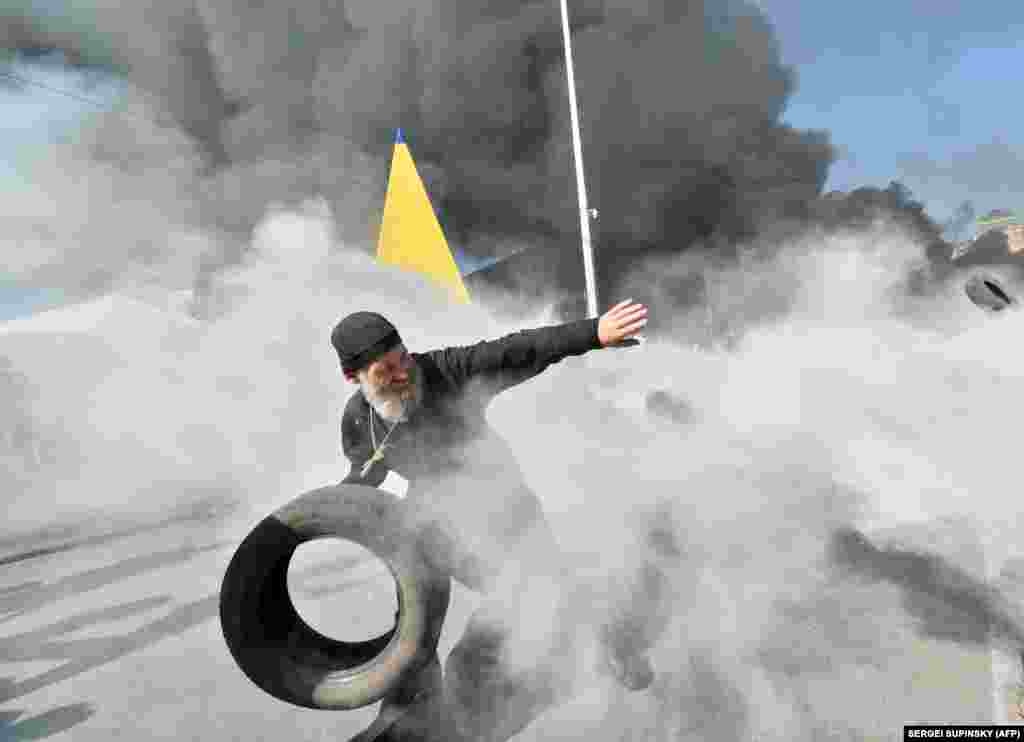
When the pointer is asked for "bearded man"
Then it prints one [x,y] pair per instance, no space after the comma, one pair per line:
[422,415]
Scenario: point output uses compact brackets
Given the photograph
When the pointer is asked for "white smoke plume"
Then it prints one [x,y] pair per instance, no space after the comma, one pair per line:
[848,412]
[216,228]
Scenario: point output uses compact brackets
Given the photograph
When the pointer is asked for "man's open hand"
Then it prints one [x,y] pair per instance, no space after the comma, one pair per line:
[621,322]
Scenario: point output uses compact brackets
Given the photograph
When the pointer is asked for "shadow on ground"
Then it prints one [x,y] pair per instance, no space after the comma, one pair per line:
[15,729]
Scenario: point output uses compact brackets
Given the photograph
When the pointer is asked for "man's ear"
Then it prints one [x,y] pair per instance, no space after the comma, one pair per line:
[351,377]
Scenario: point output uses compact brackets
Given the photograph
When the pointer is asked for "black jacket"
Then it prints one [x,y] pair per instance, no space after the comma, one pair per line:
[448,434]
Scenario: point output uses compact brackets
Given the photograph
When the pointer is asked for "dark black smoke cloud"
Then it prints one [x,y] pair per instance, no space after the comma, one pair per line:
[681,105]
[858,208]
[948,602]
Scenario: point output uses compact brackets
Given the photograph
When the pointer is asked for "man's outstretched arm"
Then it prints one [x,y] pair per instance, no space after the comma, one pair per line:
[514,358]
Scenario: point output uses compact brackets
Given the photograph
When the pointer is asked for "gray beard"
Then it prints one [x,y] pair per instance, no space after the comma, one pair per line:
[391,406]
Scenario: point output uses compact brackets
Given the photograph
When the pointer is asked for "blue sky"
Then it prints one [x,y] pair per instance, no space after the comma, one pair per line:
[923,91]
[33,118]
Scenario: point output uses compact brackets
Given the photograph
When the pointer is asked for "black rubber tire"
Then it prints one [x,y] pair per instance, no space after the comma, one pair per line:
[282,654]
[986,292]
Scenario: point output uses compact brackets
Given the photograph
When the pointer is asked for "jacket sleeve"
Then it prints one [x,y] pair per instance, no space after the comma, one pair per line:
[515,358]
[355,444]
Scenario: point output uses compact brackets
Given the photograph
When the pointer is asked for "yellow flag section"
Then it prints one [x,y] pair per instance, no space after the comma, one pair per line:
[410,235]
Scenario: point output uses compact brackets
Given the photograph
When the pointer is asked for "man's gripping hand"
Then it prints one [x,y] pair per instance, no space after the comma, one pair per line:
[621,323]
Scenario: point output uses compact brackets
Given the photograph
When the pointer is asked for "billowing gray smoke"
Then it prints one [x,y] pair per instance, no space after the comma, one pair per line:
[833,413]
[681,105]
[948,602]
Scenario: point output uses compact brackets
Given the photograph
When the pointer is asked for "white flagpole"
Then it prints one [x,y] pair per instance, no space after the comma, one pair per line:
[581,188]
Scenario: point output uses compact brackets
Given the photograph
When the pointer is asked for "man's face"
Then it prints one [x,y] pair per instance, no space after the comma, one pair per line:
[392,383]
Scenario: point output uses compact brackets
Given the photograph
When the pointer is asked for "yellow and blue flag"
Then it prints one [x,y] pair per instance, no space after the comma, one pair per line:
[410,235]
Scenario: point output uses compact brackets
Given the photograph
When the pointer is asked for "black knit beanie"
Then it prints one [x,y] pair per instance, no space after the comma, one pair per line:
[362,337]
